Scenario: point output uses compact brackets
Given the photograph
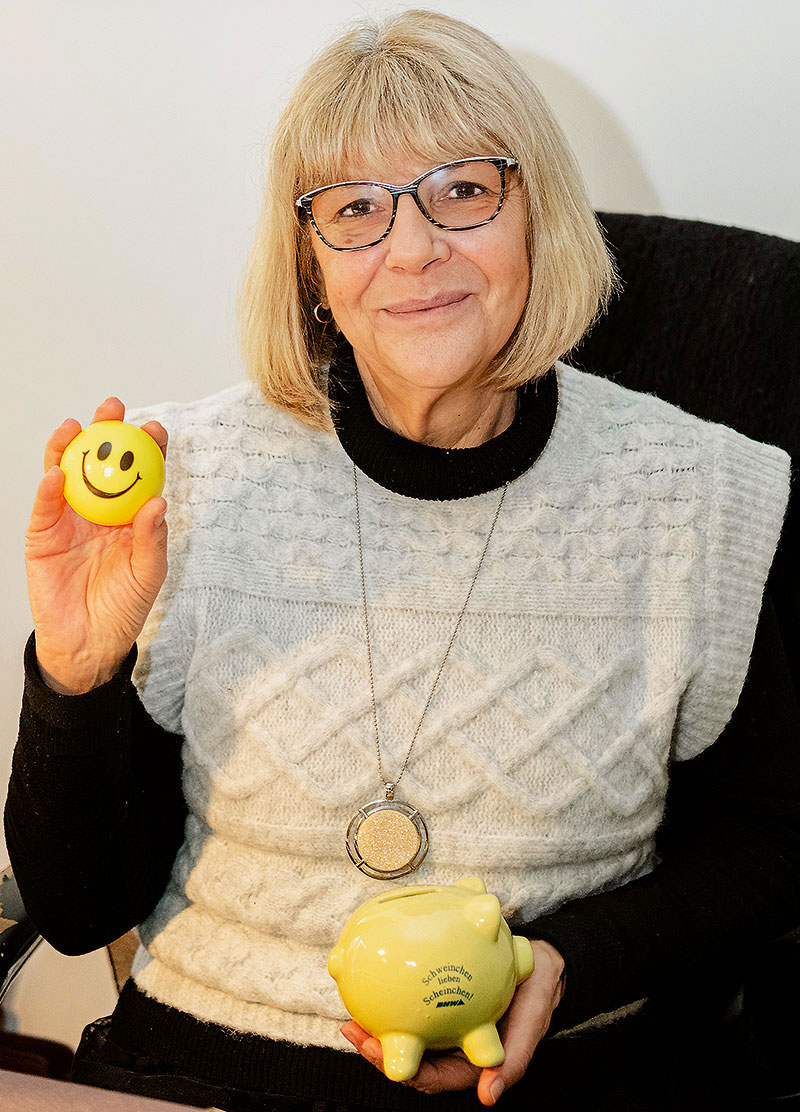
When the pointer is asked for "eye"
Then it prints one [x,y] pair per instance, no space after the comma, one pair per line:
[104,451]
[464,190]
[126,461]
[362,207]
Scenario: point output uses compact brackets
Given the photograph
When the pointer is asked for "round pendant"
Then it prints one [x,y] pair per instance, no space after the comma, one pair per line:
[387,839]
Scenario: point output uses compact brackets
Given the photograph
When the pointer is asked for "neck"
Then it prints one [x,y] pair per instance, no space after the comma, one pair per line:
[418,470]
[458,417]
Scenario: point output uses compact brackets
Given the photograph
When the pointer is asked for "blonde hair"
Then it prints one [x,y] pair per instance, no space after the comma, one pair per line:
[424,85]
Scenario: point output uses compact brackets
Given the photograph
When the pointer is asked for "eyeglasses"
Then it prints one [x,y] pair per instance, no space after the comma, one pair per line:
[351,215]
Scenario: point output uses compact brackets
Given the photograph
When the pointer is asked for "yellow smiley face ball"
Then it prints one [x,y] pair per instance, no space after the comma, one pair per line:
[111,470]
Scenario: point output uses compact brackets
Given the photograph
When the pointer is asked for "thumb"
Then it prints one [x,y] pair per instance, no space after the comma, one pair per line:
[48,505]
[492,1083]
[525,1024]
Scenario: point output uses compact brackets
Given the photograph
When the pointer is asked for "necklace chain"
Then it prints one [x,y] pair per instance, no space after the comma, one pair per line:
[388,784]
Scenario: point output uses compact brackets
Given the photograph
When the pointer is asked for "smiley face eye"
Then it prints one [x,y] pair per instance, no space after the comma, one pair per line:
[104,451]
[126,461]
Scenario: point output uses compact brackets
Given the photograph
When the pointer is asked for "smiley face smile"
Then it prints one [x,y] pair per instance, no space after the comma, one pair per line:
[102,456]
[104,493]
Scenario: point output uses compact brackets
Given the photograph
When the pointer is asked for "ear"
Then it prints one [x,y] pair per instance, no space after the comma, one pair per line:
[473,882]
[483,912]
[336,962]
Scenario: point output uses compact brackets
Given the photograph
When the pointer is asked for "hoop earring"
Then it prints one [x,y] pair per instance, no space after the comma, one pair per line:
[325,309]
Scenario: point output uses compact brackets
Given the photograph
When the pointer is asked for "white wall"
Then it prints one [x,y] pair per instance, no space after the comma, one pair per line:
[131,133]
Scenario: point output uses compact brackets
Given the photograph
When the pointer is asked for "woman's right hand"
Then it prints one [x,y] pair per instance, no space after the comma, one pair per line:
[91,587]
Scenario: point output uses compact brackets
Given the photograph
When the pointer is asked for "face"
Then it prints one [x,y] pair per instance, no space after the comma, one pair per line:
[427,309]
[112,469]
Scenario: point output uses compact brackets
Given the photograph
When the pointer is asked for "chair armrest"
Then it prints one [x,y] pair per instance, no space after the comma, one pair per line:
[18,936]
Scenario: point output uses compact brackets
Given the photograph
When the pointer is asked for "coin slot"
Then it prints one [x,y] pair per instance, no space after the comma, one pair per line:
[404,894]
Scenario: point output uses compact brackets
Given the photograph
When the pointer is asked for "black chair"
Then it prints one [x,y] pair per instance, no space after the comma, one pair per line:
[18,936]
[708,319]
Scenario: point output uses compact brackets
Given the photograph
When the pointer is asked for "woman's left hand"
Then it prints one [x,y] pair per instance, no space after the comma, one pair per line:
[521,1029]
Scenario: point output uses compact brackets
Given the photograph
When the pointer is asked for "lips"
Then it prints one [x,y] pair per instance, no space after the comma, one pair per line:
[421,305]
[104,493]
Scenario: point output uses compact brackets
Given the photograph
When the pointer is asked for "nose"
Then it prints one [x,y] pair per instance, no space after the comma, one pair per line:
[414,242]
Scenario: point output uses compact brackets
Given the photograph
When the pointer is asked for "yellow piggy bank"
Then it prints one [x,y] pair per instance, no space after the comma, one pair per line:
[430,968]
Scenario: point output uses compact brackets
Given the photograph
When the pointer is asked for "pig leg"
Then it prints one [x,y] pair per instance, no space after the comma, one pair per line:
[483,1047]
[401,1055]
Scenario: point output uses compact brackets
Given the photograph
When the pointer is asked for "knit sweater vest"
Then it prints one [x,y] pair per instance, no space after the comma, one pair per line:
[607,633]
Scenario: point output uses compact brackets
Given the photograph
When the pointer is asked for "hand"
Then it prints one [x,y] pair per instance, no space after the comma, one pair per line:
[521,1029]
[90,586]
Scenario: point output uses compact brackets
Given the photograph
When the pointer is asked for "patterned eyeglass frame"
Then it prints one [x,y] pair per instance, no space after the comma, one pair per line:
[304,203]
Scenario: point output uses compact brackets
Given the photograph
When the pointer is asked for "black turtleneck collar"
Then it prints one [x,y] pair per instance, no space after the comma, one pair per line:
[420,471]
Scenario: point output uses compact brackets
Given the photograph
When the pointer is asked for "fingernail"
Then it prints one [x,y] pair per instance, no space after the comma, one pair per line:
[497,1088]
[158,521]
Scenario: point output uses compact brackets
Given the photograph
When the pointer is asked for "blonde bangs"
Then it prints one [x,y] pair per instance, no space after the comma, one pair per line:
[384,107]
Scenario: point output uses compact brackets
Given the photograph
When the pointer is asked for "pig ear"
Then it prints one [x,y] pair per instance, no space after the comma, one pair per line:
[484,913]
[473,882]
[335,962]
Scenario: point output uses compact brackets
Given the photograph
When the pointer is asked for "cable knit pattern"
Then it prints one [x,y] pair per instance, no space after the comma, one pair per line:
[608,632]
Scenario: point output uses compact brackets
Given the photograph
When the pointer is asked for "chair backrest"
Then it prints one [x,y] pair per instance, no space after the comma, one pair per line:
[709,318]
[18,936]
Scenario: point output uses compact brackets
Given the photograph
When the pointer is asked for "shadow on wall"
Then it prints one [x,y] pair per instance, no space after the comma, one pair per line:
[616,178]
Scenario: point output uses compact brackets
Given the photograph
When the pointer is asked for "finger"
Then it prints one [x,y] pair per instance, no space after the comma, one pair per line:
[59,439]
[491,1086]
[111,409]
[372,1050]
[49,504]
[519,1042]
[149,555]
[447,1073]
[492,1083]
[150,517]
[158,433]
[354,1032]
[367,1045]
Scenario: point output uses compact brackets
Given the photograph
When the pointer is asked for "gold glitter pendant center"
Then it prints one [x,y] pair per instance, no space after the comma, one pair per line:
[387,839]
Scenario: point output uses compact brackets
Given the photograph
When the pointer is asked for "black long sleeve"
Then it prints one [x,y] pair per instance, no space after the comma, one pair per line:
[729,872]
[95,809]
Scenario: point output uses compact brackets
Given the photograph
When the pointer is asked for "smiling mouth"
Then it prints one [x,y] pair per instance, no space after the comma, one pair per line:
[104,493]
[412,306]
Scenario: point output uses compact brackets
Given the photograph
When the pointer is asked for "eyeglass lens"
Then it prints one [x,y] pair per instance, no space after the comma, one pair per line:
[459,195]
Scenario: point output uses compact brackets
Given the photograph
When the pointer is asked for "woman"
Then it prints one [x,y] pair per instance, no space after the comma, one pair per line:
[434,571]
